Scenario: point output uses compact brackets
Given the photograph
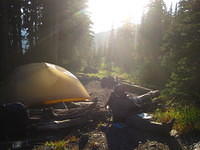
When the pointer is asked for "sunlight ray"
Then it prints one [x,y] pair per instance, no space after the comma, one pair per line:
[106,14]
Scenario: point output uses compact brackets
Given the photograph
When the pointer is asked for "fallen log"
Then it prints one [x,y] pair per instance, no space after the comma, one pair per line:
[56,125]
[61,118]
[77,121]
[74,112]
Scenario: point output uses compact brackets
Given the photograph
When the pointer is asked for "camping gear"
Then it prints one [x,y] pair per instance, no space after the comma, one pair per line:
[14,120]
[44,83]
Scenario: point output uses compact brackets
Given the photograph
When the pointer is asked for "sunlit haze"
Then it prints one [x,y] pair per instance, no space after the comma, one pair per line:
[106,14]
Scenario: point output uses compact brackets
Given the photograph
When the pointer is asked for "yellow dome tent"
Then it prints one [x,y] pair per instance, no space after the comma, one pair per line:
[44,83]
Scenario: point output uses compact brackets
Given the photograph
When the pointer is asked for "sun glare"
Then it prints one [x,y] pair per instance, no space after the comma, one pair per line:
[106,14]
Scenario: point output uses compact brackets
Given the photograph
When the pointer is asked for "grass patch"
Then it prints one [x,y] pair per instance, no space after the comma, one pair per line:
[187,118]
[114,72]
[69,144]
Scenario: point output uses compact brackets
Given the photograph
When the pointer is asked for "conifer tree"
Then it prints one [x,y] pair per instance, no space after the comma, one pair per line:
[182,52]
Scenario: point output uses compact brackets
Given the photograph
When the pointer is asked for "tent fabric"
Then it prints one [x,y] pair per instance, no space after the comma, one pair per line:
[44,83]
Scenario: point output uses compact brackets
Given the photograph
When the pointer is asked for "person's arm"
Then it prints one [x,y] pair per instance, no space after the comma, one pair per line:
[149,95]
[133,88]
[141,100]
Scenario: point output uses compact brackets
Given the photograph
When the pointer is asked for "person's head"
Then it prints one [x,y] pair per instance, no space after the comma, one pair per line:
[119,91]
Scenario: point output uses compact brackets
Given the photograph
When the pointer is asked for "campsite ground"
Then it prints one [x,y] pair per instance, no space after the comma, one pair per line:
[102,135]
[98,135]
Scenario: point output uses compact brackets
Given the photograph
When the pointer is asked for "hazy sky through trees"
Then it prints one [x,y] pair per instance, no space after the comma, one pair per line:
[106,14]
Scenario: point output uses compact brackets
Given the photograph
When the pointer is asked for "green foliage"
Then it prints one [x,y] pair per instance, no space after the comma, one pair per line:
[182,82]
[181,59]
[44,31]
[162,52]
[151,31]
[115,72]
[58,145]
[187,117]
[75,37]
[152,75]
[125,45]
[70,144]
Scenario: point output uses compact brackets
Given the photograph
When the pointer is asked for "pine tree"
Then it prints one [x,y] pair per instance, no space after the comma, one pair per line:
[182,52]
[125,46]
[152,30]
[44,31]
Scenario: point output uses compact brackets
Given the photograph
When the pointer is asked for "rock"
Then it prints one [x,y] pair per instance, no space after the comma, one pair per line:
[196,146]
[152,145]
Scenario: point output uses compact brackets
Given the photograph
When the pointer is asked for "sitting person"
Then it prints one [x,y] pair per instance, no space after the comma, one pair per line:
[126,109]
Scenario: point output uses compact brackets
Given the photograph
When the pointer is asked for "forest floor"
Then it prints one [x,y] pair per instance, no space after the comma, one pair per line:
[99,135]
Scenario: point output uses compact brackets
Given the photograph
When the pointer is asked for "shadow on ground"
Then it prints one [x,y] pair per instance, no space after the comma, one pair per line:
[127,138]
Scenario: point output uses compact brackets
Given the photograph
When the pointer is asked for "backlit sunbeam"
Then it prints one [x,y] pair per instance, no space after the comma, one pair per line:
[107,14]
[111,13]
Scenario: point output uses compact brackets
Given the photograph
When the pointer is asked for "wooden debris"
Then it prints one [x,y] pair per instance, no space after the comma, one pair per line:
[63,118]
